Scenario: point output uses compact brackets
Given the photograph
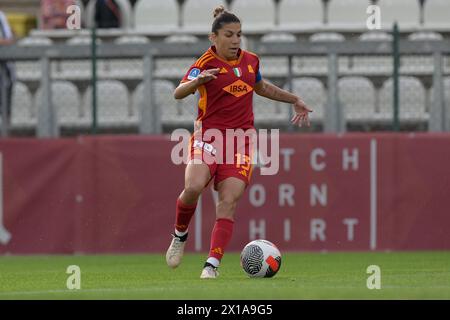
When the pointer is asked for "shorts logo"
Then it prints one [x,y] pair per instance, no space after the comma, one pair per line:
[205,146]
[243,172]
[238,88]
[193,74]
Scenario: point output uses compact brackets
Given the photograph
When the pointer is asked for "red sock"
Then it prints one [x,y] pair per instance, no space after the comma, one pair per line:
[184,214]
[221,236]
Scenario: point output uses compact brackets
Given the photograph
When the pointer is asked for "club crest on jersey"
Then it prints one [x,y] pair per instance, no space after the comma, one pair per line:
[238,72]
[193,74]
[238,88]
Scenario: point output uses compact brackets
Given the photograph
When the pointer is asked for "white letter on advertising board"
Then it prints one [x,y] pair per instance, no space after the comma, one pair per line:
[286,194]
[287,153]
[350,223]
[348,159]
[318,229]
[259,231]
[257,195]
[287,229]
[315,162]
[318,194]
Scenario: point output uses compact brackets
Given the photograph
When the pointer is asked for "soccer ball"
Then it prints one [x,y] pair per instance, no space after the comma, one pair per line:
[261,259]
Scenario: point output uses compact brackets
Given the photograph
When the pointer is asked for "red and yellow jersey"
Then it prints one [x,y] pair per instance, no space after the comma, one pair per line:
[226,102]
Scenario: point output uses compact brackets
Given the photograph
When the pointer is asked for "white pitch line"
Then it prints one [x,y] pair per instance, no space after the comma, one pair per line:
[82,291]
[161,289]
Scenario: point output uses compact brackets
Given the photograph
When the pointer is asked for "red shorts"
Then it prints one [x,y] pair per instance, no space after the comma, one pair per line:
[224,159]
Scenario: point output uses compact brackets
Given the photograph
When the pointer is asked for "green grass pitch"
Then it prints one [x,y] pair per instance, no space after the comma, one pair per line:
[404,275]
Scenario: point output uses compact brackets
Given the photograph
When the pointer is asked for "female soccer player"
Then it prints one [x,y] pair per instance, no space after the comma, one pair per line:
[225,77]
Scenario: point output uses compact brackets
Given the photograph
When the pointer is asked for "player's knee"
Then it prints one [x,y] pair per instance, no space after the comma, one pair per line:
[226,208]
[193,189]
[228,201]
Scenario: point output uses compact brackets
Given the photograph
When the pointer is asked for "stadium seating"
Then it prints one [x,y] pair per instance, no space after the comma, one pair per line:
[188,109]
[275,66]
[198,15]
[244,42]
[132,39]
[156,16]
[23,111]
[446,64]
[181,38]
[357,99]
[347,13]
[312,91]
[82,40]
[278,37]
[372,64]
[437,14]
[125,10]
[169,108]
[175,68]
[300,20]
[425,36]
[446,96]
[255,15]
[300,14]
[317,65]
[31,70]
[269,112]
[78,69]
[326,37]
[405,12]
[67,104]
[412,100]
[375,36]
[419,64]
[125,68]
[113,108]
[34,41]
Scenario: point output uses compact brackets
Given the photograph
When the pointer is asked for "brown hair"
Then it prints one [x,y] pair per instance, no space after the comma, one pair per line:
[222,17]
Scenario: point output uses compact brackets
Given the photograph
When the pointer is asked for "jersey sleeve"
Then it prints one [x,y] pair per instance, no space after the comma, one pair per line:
[258,76]
[192,73]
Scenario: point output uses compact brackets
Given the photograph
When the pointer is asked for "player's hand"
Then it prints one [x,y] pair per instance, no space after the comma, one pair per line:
[207,75]
[301,113]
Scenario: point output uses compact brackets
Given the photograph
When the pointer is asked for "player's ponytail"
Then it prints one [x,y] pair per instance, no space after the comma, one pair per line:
[222,17]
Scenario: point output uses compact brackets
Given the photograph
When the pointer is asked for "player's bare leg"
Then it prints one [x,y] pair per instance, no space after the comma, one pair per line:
[230,191]
[196,178]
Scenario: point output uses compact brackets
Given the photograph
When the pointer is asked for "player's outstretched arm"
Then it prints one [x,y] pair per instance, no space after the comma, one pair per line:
[189,87]
[271,91]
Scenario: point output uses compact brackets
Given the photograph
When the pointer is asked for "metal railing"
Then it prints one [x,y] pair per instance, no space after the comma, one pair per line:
[149,120]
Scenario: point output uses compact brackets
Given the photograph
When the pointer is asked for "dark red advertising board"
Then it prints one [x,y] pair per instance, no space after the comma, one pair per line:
[109,194]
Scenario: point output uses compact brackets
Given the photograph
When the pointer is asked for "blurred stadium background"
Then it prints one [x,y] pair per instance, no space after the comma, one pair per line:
[370,174]
[321,50]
